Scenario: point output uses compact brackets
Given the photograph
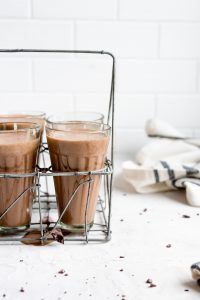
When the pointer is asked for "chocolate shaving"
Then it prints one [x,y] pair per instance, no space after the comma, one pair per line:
[62,271]
[57,235]
[22,290]
[149,281]
[152,285]
[145,209]
[122,256]
[168,246]
[185,216]
[4,295]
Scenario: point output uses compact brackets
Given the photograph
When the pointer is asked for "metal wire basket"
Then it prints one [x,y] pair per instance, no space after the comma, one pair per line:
[45,203]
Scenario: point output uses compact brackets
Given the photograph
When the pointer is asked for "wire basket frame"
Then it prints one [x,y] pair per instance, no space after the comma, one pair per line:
[45,202]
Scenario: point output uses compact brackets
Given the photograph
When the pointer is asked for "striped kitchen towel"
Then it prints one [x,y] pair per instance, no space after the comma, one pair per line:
[171,161]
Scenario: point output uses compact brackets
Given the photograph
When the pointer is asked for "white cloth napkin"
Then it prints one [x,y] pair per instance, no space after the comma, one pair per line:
[171,161]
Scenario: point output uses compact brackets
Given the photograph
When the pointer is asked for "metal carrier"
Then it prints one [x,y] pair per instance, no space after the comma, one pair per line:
[45,203]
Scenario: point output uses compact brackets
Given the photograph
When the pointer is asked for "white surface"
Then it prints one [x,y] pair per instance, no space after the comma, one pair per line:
[156,43]
[94,269]
[71,9]
[46,34]
[14,8]
[171,10]
[180,40]
[161,76]
[145,35]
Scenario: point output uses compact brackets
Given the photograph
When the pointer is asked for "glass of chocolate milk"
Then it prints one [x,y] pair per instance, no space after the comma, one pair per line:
[19,144]
[34,117]
[77,146]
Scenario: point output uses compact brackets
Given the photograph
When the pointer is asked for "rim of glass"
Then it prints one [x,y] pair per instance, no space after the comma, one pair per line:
[33,126]
[102,126]
[99,115]
[25,113]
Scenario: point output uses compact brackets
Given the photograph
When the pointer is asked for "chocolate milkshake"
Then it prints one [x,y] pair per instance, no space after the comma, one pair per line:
[19,144]
[77,146]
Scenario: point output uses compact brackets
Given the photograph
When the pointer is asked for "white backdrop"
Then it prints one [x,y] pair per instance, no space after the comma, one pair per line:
[156,42]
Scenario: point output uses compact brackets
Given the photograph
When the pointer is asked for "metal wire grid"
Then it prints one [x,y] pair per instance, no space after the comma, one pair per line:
[45,202]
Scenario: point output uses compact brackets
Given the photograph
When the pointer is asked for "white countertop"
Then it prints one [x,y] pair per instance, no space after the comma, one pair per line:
[94,269]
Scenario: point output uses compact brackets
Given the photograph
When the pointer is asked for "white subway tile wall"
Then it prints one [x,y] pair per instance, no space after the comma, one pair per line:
[14,9]
[157,48]
[15,75]
[39,34]
[129,39]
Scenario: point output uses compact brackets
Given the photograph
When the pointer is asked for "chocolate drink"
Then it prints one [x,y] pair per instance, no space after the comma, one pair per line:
[77,149]
[27,116]
[18,152]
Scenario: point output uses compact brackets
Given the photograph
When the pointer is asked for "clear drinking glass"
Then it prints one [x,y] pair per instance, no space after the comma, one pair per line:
[19,144]
[25,116]
[80,116]
[77,146]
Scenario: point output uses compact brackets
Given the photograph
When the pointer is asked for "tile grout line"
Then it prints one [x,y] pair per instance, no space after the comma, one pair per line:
[120,20]
[32,76]
[118,10]
[74,102]
[31,9]
[197,77]
[155,106]
[159,40]
[74,33]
